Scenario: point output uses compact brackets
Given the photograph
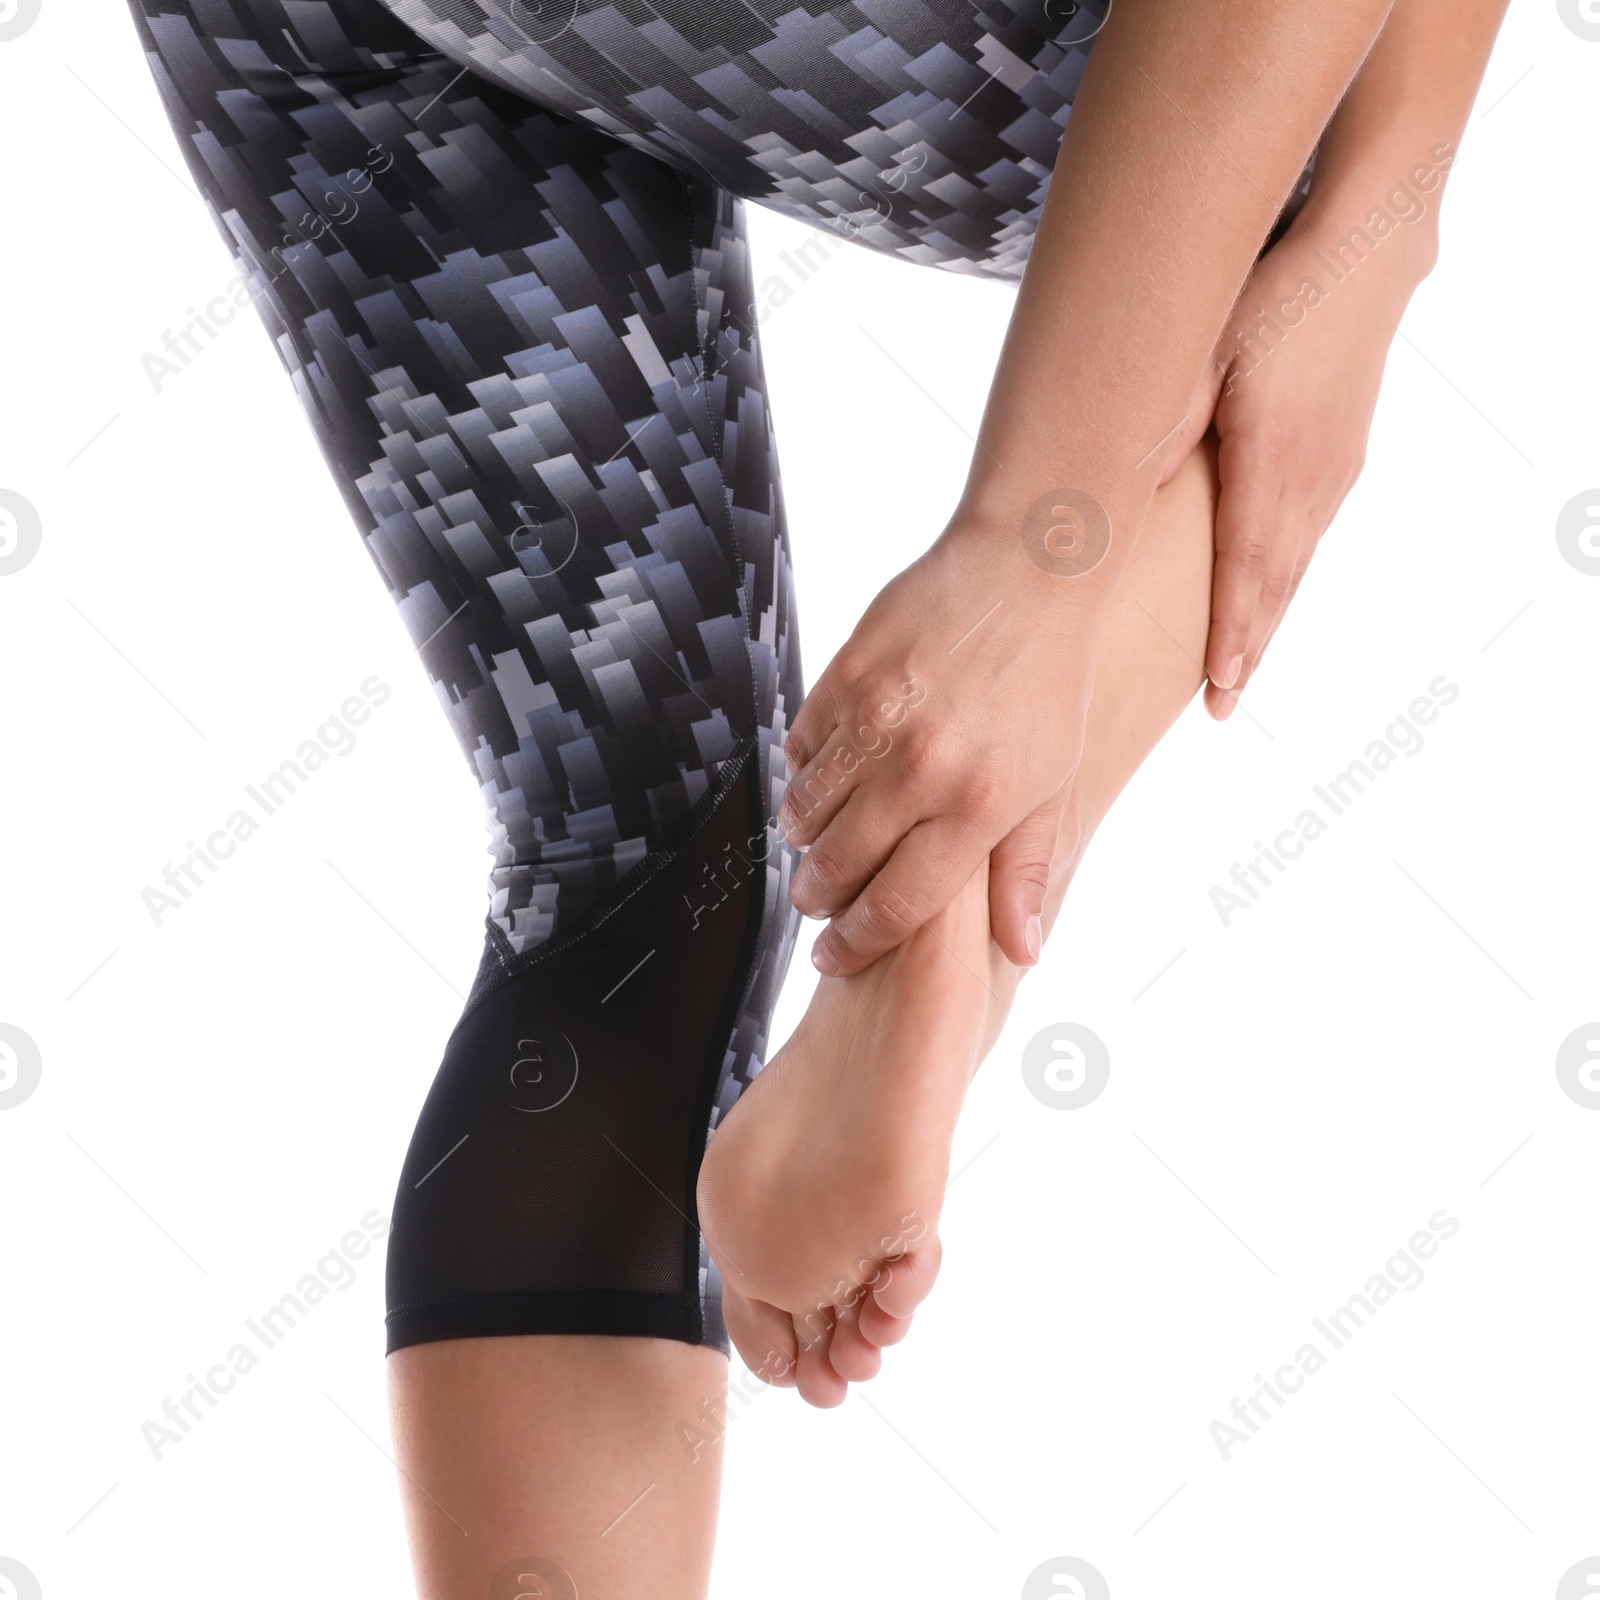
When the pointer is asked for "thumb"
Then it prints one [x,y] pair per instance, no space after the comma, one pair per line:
[1197,418]
[1019,875]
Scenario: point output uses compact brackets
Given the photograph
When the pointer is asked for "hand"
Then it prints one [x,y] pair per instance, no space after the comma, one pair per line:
[1291,393]
[951,720]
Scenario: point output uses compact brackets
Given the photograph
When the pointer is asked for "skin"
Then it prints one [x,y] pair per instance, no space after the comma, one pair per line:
[532,1445]
[1293,408]
[1191,126]
[512,1447]
[825,1182]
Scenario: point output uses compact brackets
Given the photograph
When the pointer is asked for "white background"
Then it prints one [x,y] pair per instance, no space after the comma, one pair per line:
[1290,1100]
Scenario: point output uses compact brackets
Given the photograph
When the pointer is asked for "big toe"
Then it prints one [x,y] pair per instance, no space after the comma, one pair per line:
[905,1282]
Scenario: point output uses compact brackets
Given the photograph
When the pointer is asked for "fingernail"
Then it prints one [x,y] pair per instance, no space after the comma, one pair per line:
[1033,934]
[1230,673]
[824,960]
[1226,709]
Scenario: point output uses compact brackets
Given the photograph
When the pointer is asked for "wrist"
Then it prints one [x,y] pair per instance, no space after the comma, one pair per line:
[1382,206]
[1054,559]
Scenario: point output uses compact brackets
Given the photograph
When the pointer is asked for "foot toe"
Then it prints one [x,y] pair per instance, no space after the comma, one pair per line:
[818,1383]
[851,1354]
[878,1327]
[904,1283]
[763,1336]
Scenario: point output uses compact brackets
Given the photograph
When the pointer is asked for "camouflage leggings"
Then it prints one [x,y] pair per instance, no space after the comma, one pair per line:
[500,246]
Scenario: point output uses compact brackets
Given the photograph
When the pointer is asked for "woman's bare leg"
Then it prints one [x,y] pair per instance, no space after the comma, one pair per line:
[600,1456]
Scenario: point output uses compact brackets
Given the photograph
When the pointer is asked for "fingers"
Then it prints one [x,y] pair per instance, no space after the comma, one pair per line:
[1246,538]
[1019,876]
[840,864]
[1202,406]
[1278,590]
[925,873]
[1287,563]
[819,786]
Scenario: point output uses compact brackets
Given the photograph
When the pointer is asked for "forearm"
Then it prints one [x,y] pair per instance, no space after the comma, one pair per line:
[1396,131]
[1194,119]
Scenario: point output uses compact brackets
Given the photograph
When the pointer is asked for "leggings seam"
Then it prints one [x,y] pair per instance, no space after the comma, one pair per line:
[733,1004]
[635,881]
[705,343]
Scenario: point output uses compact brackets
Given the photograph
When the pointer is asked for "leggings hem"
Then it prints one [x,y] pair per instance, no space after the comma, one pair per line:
[611,1313]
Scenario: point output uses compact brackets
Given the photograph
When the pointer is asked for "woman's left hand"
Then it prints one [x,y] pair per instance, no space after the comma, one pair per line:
[1291,392]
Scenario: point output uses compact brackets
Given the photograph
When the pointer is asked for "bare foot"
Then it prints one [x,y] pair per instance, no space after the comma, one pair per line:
[821,1191]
